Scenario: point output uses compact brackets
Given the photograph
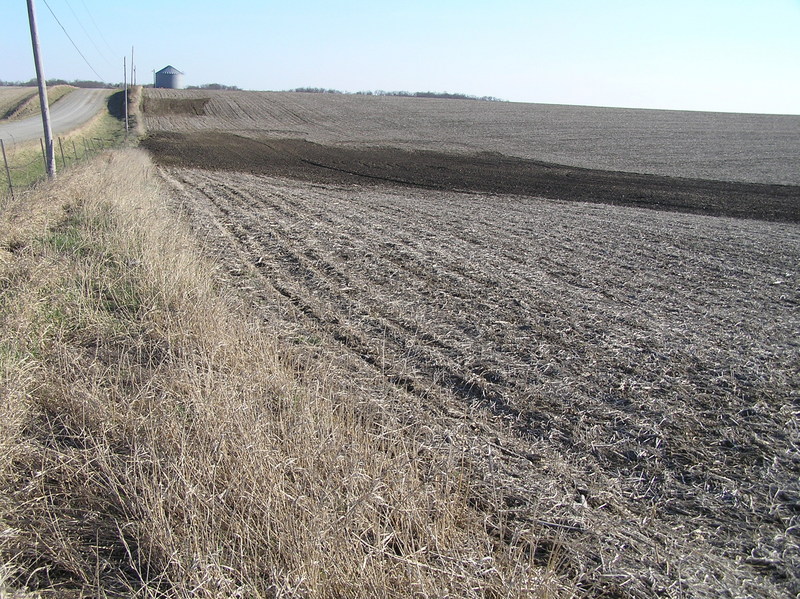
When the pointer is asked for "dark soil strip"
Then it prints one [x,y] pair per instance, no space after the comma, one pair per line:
[484,172]
[170,106]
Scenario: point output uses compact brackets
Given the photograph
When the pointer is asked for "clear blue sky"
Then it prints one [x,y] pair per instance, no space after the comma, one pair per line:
[720,55]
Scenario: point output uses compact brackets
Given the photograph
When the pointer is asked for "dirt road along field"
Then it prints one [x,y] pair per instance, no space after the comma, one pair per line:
[70,112]
[620,385]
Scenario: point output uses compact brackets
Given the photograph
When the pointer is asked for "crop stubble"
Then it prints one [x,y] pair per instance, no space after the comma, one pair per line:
[624,379]
[621,384]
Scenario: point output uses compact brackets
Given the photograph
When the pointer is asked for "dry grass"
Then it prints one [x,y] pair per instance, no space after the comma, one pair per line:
[24,105]
[26,162]
[153,442]
[135,97]
[11,96]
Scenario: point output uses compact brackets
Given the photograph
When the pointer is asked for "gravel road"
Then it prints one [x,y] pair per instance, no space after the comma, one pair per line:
[68,113]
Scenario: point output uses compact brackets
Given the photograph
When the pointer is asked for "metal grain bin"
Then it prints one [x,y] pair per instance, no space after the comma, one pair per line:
[169,77]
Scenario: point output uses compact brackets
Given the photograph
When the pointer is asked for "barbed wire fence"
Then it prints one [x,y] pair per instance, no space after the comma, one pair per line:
[8,171]
[26,171]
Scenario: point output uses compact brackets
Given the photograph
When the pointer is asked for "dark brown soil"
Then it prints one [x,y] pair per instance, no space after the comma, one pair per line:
[164,106]
[487,172]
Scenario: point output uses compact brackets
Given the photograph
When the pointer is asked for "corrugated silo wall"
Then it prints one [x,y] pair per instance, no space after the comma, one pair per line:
[169,81]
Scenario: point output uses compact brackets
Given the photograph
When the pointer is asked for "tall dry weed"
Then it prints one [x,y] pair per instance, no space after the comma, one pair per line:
[154,443]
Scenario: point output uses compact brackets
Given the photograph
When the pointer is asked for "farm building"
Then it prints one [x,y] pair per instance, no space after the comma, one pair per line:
[169,77]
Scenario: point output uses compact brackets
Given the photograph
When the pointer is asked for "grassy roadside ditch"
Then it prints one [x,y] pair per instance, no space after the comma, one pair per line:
[153,442]
[26,161]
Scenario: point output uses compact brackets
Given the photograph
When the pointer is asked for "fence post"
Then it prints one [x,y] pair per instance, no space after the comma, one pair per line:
[44,156]
[61,147]
[8,171]
[75,150]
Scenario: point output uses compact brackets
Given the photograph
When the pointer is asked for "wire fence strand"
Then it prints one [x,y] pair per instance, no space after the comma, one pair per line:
[20,172]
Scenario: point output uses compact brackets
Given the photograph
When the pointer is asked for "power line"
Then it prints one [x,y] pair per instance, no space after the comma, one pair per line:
[100,31]
[91,39]
[73,43]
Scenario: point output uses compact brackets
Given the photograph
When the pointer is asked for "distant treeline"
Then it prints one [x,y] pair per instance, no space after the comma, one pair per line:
[220,86]
[404,94]
[216,86]
[51,82]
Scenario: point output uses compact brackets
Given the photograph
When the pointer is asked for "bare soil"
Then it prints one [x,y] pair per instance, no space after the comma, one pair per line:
[623,382]
[751,148]
[620,384]
[489,172]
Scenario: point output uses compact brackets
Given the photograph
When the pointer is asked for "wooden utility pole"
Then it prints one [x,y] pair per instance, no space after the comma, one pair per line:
[50,154]
[125,95]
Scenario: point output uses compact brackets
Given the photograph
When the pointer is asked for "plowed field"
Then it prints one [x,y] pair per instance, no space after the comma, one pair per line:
[622,384]
[699,145]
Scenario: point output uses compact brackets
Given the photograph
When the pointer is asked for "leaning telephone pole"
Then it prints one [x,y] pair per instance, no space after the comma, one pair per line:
[50,152]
